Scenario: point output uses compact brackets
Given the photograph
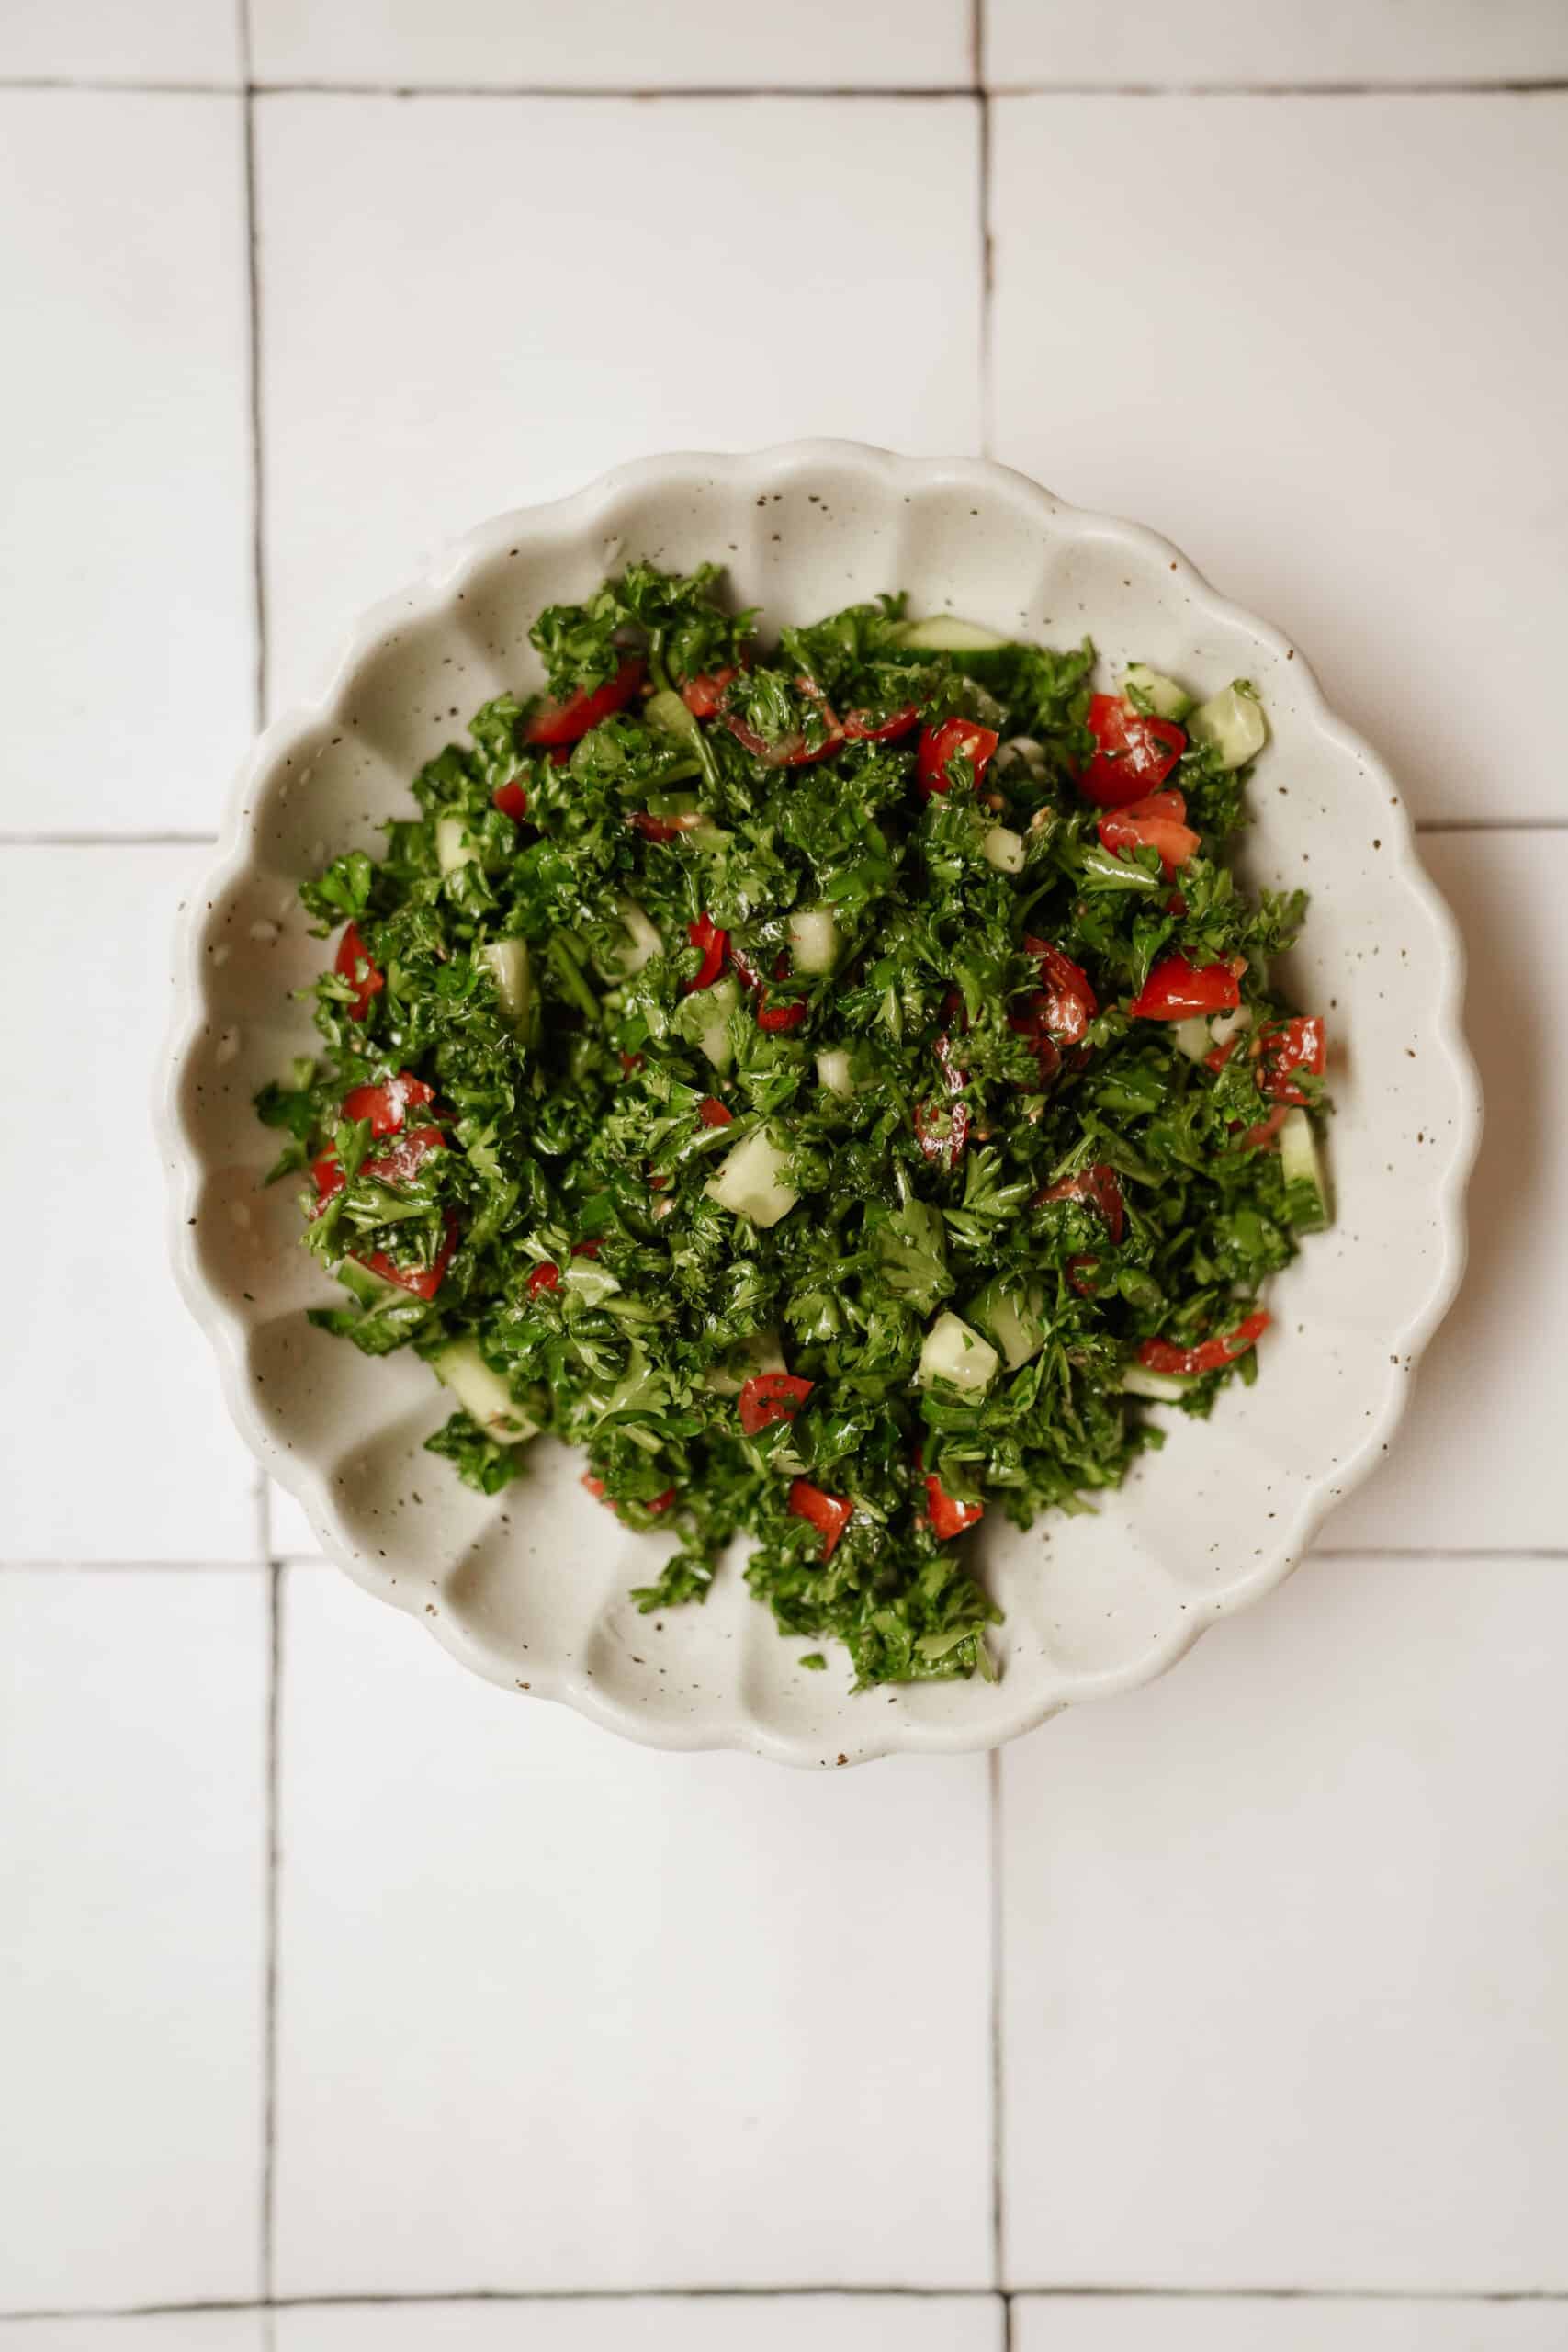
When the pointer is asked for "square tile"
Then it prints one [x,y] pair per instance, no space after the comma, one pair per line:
[125,631]
[121,1449]
[646,2324]
[1274,41]
[385,436]
[603,44]
[135,41]
[131,1976]
[1329,363]
[1466,1467]
[156,2332]
[1256,2323]
[1285,1939]
[743,2012]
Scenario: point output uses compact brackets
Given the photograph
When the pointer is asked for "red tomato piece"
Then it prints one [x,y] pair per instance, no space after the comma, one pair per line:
[830,1514]
[713,1113]
[1209,1355]
[785,1012]
[954,738]
[1133,755]
[1030,1023]
[948,1516]
[771,1397]
[386,1104]
[661,829]
[1257,1137]
[790,750]
[545,1276]
[941,1130]
[1080,1271]
[630,1062]
[660,1502]
[356,964]
[702,694]
[423,1284]
[394,1167]
[586,1249]
[1071,1003]
[1157,822]
[565,722]
[511,801]
[1218,1056]
[1177,990]
[712,945]
[861,728]
[1098,1188]
[1288,1046]
[596,1488]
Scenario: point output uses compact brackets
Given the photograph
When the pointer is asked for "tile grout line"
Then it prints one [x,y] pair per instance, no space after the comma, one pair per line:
[1524,85]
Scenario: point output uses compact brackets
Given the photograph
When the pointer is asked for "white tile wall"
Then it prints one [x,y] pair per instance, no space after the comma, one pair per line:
[1253,2324]
[425,366]
[664,2018]
[639,2324]
[1284,1943]
[132,1970]
[603,44]
[1275,41]
[1468,1469]
[108,1462]
[119,40]
[1285,1937]
[1293,340]
[126,641]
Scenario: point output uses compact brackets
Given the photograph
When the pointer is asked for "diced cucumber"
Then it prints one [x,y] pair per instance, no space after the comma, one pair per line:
[946,633]
[453,847]
[482,1394]
[707,1012]
[667,712]
[1199,1035]
[751,1180]
[760,1352]
[1300,1164]
[1014,1319]
[951,1351]
[1163,696]
[1231,724]
[1164,1388]
[1021,751]
[1003,849]
[646,941]
[814,939]
[833,1070]
[508,961]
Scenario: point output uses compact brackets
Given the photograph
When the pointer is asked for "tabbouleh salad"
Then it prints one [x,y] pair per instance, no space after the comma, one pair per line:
[835,1086]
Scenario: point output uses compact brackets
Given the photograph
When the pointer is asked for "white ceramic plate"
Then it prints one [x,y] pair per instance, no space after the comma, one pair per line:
[529,1589]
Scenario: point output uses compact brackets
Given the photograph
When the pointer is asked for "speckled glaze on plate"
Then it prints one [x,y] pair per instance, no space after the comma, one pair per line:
[529,1587]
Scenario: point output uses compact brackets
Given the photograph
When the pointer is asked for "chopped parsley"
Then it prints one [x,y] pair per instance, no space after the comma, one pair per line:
[831,1085]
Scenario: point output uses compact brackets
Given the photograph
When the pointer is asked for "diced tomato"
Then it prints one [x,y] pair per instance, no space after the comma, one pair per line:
[1157,822]
[954,738]
[1080,1271]
[423,1284]
[560,755]
[662,828]
[941,1130]
[1218,1056]
[1210,1355]
[511,801]
[1133,754]
[1030,1022]
[1176,905]
[790,750]
[545,1276]
[828,1513]
[326,1173]
[656,1182]
[750,971]
[565,722]
[771,1397]
[1257,1138]
[660,1502]
[782,1012]
[1071,1003]
[1177,990]
[586,1249]
[1288,1046]
[630,1063]
[713,1113]
[712,945]
[861,728]
[395,1167]
[948,1516]
[702,694]
[354,964]
[386,1104]
[1098,1187]
[597,1489]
